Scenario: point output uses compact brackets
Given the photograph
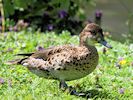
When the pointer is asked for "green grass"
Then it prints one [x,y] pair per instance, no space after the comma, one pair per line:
[103,84]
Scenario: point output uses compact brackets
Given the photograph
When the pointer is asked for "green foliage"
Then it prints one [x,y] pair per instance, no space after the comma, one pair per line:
[48,14]
[11,5]
[111,80]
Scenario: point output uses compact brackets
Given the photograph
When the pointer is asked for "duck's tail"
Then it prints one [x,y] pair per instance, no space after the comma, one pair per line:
[15,62]
[24,54]
[18,61]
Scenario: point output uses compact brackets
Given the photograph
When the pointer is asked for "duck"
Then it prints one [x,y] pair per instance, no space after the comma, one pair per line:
[66,62]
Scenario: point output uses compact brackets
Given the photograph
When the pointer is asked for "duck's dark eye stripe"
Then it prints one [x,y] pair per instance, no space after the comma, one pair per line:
[93,32]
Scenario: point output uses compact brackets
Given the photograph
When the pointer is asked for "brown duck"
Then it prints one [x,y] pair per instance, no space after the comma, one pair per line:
[67,62]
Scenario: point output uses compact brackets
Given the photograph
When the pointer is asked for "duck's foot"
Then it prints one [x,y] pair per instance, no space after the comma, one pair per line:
[72,91]
[63,86]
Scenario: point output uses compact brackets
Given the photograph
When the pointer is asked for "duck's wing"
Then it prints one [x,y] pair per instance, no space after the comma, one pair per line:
[43,54]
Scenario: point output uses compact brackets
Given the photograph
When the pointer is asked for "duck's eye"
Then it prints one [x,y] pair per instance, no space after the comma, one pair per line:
[93,32]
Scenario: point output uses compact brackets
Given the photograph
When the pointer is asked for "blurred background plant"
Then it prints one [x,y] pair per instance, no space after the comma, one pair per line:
[129,21]
[50,15]
[2,17]
[71,15]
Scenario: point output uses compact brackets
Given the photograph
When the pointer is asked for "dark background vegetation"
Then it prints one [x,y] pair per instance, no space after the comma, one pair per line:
[56,15]
[71,15]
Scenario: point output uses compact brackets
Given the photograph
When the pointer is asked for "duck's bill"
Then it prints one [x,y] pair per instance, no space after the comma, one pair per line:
[106,44]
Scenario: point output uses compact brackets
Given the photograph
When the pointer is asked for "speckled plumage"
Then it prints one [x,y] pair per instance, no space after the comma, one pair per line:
[67,62]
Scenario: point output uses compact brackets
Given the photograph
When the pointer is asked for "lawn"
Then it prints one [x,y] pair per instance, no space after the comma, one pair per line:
[111,80]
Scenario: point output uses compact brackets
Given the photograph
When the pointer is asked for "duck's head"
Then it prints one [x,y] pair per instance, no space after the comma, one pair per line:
[92,34]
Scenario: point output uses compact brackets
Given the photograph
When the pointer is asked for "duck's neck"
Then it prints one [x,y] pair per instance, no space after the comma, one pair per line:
[86,43]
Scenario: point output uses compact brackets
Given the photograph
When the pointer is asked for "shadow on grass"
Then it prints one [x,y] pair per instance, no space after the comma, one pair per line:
[95,93]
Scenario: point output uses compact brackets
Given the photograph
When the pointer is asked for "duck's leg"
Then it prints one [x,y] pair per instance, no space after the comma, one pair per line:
[63,86]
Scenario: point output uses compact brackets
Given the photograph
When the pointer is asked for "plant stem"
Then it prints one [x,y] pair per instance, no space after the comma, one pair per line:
[2,16]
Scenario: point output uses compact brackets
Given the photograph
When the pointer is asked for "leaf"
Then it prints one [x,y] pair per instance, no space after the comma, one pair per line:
[65,4]
[8,8]
[20,4]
